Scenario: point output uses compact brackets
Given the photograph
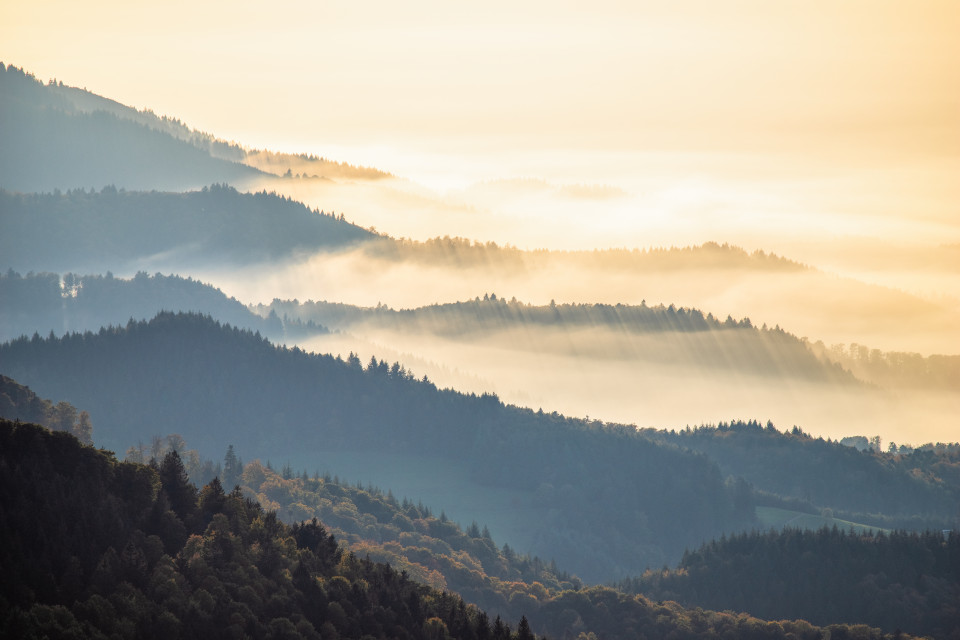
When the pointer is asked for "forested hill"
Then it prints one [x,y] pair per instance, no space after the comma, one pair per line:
[110,229]
[901,581]
[815,473]
[663,335]
[82,115]
[146,556]
[18,402]
[50,142]
[607,501]
[45,302]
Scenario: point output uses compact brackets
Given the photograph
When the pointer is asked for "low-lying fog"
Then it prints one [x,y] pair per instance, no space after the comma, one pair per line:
[808,303]
[896,227]
[873,258]
[650,393]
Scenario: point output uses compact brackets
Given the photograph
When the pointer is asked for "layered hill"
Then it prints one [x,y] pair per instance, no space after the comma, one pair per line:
[598,498]
[666,336]
[112,230]
[56,140]
[47,302]
[733,573]
[62,137]
[900,580]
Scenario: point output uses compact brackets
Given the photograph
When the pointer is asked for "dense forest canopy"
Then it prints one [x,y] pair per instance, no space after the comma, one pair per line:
[148,556]
[898,581]
[894,581]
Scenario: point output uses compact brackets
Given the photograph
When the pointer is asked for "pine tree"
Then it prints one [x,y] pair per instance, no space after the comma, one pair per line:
[523,630]
[176,484]
[231,469]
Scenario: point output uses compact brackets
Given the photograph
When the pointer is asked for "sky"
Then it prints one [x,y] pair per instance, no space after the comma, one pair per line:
[514,88]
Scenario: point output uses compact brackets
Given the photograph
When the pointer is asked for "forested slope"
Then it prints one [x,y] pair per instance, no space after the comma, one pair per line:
[901,581]
[147,556]
[429,547]
[49,143]
[109,229]
[661,335]
[18,402]
[905,581]
[615,502]
[223,162]
[863,485]
[45,302]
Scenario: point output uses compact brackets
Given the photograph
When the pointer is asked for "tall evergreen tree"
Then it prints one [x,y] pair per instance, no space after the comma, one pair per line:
[176,484]
[231,469]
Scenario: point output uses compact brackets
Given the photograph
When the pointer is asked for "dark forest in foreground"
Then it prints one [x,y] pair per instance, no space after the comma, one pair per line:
[171,561]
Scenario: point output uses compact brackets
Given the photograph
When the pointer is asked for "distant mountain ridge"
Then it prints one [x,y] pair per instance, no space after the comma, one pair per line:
[47,302]
[667,335]
[50,144]
[62,137]
[112,230]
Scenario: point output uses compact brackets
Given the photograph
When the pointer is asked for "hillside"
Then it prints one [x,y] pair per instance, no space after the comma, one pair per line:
[49,120]
[18,402]
[147,556]
[665,336]
[216,385]
[905,581]
[816,473]
[901,581]
[105,230]
[431,548]
[894,369]
[661,335]
[51,143]
[45,302]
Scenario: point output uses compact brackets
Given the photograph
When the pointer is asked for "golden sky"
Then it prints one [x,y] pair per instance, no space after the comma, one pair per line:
[866,92]
[691,75]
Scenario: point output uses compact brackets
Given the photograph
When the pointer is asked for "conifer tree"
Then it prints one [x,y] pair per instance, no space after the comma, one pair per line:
[231,469]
